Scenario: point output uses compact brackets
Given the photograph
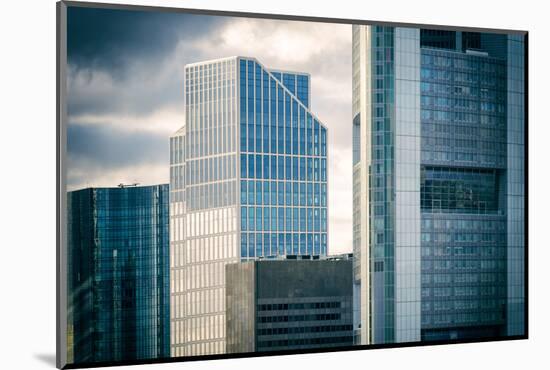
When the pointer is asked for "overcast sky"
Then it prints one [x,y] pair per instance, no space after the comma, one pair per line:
[125,91]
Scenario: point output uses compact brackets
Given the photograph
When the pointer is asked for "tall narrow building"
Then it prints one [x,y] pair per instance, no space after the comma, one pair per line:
[438,165]
[248,180]
[118,281]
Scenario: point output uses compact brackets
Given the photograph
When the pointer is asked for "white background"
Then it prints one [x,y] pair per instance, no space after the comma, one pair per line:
[27,205]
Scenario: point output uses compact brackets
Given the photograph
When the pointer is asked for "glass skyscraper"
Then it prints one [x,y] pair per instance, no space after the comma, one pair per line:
[118,283]
[248,180]
[438,156]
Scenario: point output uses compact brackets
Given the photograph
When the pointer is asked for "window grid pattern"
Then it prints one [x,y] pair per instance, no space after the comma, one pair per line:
[463,240]
[283,168]
[382,182]
[118,283]
[463,109]
[203,206]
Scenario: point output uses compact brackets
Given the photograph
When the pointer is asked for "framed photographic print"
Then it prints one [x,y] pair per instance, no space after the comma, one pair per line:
[235,184]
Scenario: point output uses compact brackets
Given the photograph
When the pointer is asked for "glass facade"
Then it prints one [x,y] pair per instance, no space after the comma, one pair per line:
[283,170]
[248,180]
[118,273]
[463,100]
[434,207]
[203,208]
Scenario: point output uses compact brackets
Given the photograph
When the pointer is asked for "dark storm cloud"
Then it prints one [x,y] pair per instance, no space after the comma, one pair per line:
[109,39]
[102,145]
[117,58]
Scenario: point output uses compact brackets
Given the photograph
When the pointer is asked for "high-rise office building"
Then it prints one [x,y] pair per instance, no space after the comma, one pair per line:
[289,304]
[438,165]
[248,179]
[118,282]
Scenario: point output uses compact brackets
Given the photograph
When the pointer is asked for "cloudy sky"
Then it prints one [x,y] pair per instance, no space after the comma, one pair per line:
[125,91]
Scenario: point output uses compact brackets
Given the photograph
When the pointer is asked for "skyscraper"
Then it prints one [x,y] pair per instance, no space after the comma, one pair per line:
[438,156]
[118,287]
[248,179]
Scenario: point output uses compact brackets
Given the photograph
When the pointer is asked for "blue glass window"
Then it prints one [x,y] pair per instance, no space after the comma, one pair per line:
[259,192]
[281,250]
[266,171]
[274,218]
[288,219]
[251,245]
[251,191]
[259,245]
[251,219]
[273,186]
[244,219]
[288,193]
[273,244]
[303,249]
[288,238]
[316,195]
[243,192]
[251,166]
[281,218]
[273,167]
[288,168]
[302,168]
[281,167]
[267,248]
[267,223]
[244,245]
[302,219]
[266,200]
[280,193]
[309,244]
[259,219]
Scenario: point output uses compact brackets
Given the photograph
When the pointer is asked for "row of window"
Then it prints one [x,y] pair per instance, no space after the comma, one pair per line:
[281,219]
[444,116]
[462,318]
[261,138]
[453,88]
[209,169]
[428,223]
[305,329]
[495,134]
[283,167]
[463,264]
[455,76]
[464,251]
[428,102]
[461,278]
[463,291]
[219,194]
[303,317]
[462,304]
[280,244]
[476,64]
[289,193]
[298,306]
[462,237]
[428,154]
[470,143]
[201,141]
[346,340]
